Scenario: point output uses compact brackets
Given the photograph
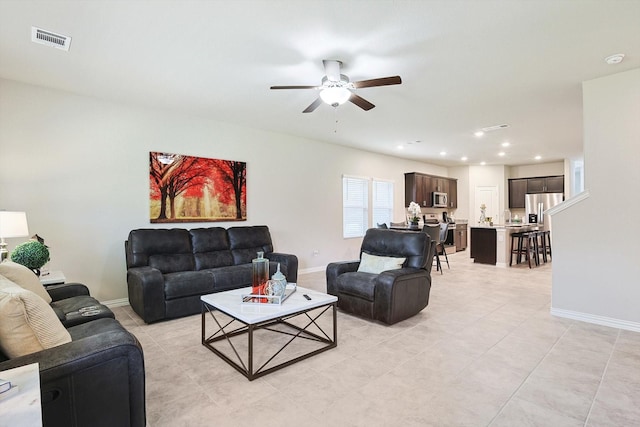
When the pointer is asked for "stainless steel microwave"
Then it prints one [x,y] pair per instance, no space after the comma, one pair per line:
[440,200]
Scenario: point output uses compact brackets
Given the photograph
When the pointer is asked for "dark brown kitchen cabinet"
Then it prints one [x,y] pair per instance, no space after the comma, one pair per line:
[419,188]
[517,192]
[453,194]
[460,237]
[518,188]
[545,184]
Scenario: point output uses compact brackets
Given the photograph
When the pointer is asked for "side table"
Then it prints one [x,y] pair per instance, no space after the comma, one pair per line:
[55,277]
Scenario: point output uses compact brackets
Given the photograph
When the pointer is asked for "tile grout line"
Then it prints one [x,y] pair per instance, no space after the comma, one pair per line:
[529,375]
[604,372]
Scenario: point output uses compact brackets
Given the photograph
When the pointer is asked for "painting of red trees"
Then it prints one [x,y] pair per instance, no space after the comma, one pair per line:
[196,189]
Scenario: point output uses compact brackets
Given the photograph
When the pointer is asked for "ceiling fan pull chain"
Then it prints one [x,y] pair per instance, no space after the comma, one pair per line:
[335,109]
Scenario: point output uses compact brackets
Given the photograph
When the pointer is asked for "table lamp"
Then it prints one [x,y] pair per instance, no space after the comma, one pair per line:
[12,224]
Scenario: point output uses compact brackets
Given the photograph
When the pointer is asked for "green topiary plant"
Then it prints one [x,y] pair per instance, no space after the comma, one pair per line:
[32,254]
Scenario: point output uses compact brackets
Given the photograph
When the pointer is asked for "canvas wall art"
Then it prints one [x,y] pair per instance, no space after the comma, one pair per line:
[196,189]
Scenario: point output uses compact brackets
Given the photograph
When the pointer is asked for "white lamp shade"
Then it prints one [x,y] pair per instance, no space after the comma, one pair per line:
[13,224]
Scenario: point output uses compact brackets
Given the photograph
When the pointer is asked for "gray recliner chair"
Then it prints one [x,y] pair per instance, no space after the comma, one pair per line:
[392,295]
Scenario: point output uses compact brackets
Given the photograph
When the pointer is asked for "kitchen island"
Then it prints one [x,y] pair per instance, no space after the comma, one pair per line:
[491,244]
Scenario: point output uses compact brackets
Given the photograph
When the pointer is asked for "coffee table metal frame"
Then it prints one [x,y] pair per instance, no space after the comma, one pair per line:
[277,316]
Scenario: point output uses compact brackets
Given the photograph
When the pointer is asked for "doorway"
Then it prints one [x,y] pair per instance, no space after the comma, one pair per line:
[489,196]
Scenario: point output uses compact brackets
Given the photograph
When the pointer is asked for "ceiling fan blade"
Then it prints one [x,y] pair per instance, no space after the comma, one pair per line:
[313,105]
[294,87]
[361,102]
[332,69]
[382,81]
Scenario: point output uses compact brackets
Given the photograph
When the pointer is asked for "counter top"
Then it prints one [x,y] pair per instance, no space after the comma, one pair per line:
[523,227]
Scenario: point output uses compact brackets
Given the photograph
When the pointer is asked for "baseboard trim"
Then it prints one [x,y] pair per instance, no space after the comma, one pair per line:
[116,302]
[598,320]
[312,270]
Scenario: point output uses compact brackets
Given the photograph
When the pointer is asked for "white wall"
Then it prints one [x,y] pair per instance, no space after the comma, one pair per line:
[79,167]
[596,257]
[537,169]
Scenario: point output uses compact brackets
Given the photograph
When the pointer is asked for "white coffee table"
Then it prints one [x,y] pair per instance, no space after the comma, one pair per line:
[254,317]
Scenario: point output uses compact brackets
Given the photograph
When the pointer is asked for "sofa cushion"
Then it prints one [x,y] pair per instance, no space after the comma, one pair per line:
[171,263]
[27,323]
[233,277]
[359,284]
[184,284]
[211,248]
[25,278]
[246,242]
[377,264]
[146,242]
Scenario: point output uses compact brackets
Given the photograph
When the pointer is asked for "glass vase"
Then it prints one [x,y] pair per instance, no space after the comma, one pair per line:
[260,274]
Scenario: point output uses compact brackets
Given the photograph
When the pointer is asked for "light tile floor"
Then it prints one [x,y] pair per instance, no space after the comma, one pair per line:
[485,352]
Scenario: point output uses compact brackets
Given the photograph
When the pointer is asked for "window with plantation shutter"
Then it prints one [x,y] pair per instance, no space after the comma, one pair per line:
[355,206]
[382,203]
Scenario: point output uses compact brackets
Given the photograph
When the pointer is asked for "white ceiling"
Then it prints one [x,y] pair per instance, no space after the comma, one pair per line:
[464,65]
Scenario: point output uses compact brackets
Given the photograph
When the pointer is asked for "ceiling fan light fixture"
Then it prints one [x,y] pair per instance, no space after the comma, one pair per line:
[335,96]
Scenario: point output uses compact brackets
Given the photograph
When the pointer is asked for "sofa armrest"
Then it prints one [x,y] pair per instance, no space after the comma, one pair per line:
[67,290]
[97,376]
[146,293]
[401,293]
[288,265]
[335,269]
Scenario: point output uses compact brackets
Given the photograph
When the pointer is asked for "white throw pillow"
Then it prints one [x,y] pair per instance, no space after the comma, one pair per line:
[25,278]
[27,323]
[377,264]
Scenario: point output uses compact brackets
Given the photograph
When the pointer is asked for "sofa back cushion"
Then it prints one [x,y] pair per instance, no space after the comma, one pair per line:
[211,248]
[25,278]
[414,246]
[167,250]
[246,242]
[27,323]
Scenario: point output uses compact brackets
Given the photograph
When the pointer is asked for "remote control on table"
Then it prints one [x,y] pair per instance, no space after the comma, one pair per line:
[306,296]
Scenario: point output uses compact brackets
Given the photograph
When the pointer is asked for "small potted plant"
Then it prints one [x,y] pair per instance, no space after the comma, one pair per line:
[32,254]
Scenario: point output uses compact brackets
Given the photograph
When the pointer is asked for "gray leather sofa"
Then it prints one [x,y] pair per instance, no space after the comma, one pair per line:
[169,269]
[95,380]
[392,295]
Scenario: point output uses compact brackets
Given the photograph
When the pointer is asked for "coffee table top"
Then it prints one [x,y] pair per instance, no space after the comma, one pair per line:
[230,302]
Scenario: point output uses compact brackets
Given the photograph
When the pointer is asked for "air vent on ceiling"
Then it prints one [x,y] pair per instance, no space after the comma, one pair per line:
[496,127]
[38,35]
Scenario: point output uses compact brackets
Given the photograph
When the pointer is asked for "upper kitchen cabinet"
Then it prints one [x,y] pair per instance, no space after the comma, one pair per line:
[517,192]
[518,188]
[453,194]
[419,188]
[545,184]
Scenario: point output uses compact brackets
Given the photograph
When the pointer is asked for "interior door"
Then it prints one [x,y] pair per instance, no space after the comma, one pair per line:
[489,196]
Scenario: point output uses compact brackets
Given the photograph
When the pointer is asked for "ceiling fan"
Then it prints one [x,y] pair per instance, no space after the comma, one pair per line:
[336,89]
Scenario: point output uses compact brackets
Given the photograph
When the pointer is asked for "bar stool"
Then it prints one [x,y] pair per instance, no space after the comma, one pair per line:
[526,243]
[545,244]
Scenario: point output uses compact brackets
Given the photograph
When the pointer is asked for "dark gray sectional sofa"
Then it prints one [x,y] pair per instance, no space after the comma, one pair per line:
[169,269]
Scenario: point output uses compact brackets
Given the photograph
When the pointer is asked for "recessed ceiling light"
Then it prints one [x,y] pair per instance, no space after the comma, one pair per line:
[614,59]
[479,133]
[506,144]
[443,153]
[464,159]
[538,157]
[483,163]
[400,147]
[502,153]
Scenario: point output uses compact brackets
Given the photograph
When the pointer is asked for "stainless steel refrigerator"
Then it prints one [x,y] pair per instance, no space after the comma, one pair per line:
[536,204]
